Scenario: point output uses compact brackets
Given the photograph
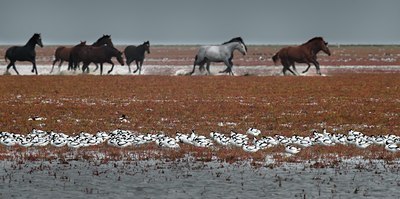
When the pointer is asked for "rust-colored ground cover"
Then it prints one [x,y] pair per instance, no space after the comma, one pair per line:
[369,103]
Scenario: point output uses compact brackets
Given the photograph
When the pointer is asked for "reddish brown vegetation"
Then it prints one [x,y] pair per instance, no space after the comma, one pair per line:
[285,105]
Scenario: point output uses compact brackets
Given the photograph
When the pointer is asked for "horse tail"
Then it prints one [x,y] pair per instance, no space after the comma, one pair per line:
[275,58]
[5,57]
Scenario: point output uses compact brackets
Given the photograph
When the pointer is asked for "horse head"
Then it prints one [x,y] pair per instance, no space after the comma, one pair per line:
[118,55]
[317,44]
[236,39]
[325,48]
[242,48]
[147,46]
[38,39]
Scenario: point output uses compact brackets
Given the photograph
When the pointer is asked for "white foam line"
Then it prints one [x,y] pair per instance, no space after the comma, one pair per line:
[259,70]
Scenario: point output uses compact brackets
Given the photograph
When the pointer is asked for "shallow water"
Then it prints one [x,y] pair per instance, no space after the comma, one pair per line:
[188,179]
[184,70]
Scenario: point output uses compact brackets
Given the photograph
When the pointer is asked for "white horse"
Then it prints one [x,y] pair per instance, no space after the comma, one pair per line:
[220,53]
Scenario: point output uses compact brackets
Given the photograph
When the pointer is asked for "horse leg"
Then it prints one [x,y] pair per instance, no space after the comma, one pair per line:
[101,68]
[308,67]
[137,66]
[54,62]
[208,68]
[286,67]
[290,70]
[128,63]
[9,66]
[112,66]
[229,67]
[294,68]
[231,63]
[34,69]
[140,68]
[59,66]
[317,67]
[97,67]
[15,69]
[85,67]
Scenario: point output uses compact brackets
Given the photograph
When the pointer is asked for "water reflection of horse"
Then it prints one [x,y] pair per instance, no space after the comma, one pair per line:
[305,53]
[24,53]
[219,53]
[136,53]
[74,53]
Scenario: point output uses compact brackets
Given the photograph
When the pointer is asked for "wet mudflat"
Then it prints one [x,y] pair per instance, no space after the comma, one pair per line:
[186,178]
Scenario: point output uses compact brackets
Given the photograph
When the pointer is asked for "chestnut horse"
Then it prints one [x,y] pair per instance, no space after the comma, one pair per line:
[99,55]
[305,53]
[62,52]
[74,54]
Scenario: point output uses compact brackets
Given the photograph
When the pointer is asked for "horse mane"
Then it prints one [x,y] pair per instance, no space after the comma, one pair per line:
[33,38]
[236,39]
[101,38]
[313,39]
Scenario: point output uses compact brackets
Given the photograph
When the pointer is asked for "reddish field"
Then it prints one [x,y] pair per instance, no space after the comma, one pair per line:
[285,105]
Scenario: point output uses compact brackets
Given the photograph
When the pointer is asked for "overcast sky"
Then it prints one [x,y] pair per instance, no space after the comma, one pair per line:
[201,21]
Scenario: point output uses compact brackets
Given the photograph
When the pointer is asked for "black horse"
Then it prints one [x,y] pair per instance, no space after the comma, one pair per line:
[133,53]
[24,53]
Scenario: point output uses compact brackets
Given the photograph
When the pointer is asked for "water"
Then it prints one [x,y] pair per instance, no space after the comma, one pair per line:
[190,179]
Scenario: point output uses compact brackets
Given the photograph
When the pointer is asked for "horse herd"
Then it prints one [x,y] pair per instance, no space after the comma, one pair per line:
[103,50]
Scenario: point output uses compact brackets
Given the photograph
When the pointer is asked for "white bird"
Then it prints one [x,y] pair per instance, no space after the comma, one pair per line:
[253,132]
[292,149]
[362,144]
[392,147]
[250,148]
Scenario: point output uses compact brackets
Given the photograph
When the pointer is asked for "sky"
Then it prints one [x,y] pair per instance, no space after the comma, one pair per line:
[201,21]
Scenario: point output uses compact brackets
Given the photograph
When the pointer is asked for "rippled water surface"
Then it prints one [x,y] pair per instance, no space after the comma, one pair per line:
[188,179]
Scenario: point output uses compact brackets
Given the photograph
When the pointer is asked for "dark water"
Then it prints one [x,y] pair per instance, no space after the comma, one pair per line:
[188,179]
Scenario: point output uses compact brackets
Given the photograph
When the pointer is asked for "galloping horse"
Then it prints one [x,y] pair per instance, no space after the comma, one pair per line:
[99,55]
[305,53]
[74,54]
[220,53]
[133,53]
[24,53]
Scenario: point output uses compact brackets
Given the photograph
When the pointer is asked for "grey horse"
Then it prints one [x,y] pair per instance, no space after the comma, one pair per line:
[219,53]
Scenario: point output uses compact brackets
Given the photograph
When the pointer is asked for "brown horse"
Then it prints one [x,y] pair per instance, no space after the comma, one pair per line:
[99,55]
[61,54]
[74,54]
[305,53]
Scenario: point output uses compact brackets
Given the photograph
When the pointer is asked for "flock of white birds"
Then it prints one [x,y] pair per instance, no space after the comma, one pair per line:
[251,141]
